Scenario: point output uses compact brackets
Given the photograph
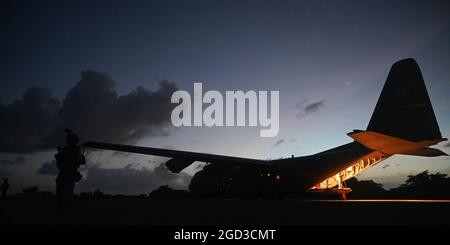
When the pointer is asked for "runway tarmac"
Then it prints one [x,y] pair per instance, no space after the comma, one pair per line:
[133,211]
[383,201]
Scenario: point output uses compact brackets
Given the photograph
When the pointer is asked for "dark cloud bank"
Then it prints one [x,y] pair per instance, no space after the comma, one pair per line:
[92,108]
[18,160]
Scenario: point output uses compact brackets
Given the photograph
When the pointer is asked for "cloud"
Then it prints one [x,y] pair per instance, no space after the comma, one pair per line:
[92,109]
[279,142]
[307,109]
[18,160]
[48,168]
[132,180]
[26,123]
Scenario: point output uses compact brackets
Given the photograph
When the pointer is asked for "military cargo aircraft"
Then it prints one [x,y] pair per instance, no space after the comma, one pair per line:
[403,122]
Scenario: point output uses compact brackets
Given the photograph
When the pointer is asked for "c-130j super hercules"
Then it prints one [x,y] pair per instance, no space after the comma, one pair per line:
[403,122]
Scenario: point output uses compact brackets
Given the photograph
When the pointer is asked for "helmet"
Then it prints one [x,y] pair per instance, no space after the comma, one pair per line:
[71,137]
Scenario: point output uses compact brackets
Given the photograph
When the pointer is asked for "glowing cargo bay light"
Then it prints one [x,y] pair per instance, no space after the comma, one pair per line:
[213,114]
[358,166]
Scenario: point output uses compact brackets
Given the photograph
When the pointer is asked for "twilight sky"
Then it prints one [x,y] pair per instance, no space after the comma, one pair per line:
[328,59]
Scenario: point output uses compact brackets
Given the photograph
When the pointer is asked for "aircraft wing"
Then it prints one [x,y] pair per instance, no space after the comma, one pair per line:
[179,159]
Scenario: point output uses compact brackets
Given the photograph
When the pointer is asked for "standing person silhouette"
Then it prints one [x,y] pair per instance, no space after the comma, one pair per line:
[68,160]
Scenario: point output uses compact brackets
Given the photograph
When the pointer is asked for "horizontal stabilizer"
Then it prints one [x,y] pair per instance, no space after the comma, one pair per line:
[390,145]
[426,152]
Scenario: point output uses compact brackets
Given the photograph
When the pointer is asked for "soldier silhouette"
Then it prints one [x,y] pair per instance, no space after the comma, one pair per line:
[4,187]
[68,160]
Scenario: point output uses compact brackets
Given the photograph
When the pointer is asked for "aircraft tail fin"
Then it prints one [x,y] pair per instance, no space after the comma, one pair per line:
[404,108]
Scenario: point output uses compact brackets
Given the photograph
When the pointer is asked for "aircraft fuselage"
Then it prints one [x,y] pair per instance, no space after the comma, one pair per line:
[292,176]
